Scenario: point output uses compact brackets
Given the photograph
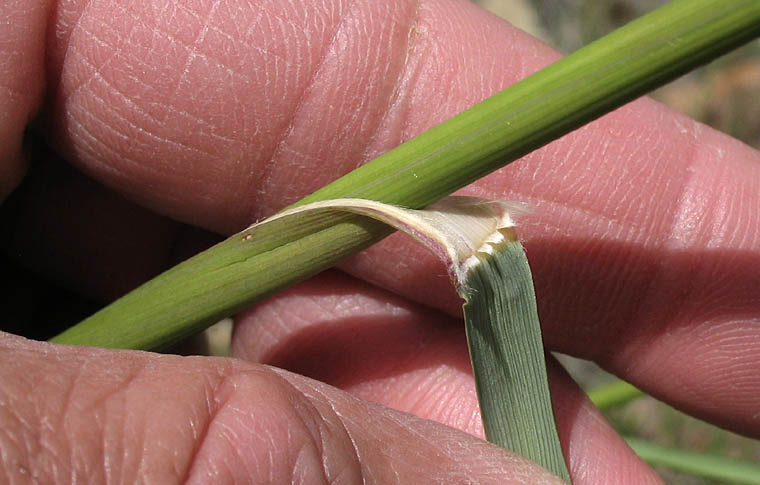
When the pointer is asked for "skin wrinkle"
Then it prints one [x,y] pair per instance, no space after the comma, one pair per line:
[41,441]
[73,57]
[157,28]
[20,442]
[628,171]
[113,455]
[281,24]
[174,111]
[452,81]
[14,449]
[138,130]
[725,350]
[106,169]
[354,463]
[449,408]
[119,394]
[117,133]
[88,140]
[234,434]
[315,422]
[408,69]
[300,471]
[262,181]
[225,425]
[455,65]
[239,381]
[213,405]
[132,386]
[396,111]
[74,452]
[244,46]
[345,423]
[401,424]
[370,80]
[703,310]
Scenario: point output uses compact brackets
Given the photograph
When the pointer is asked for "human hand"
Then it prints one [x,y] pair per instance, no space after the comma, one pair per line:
[642,242]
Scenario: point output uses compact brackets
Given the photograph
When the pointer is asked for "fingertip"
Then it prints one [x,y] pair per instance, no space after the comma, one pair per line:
[113,415]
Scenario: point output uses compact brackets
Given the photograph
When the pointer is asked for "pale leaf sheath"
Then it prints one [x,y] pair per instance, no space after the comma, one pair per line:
[452,228]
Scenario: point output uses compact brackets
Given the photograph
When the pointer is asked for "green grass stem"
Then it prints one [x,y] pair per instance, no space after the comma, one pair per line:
[567,94]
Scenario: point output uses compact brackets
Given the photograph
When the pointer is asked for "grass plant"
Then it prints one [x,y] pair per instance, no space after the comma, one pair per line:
[241,270]
[594,80]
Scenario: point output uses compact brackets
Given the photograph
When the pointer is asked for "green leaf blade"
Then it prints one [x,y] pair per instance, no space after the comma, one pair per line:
[507,353]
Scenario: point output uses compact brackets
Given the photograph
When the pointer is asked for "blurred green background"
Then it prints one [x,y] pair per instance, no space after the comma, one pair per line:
[724,94]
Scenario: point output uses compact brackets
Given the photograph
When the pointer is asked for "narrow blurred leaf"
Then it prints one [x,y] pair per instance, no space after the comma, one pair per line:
[614,394]
[699,464]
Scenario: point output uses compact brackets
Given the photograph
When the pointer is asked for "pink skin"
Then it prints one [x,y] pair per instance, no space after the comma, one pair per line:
[643,242]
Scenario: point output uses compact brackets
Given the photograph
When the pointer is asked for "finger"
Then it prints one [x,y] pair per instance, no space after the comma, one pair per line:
[387,350]
[204,112]
[72,414]
[626,208]
[22,79]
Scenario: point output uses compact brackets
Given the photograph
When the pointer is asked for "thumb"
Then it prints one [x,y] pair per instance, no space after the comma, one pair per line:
[73,414]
